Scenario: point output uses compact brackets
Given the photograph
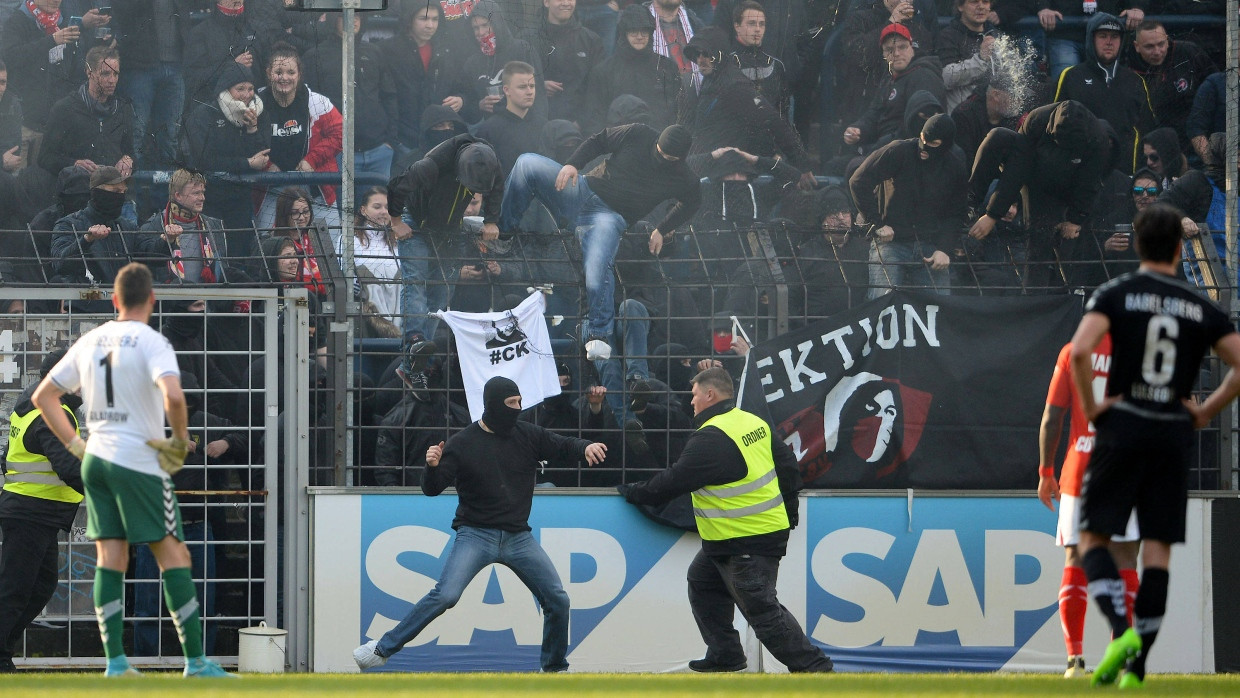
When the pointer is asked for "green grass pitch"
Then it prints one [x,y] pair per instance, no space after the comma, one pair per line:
[574,685]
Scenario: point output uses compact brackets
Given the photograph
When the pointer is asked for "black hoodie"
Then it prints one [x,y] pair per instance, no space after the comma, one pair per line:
[645,74]
[374,90]
[636,178]
[1062,153]
[729,111]
[213,45]
[1114,94]
[568,52]
[884,120]
[921,199]
[1173,85]
[80,128]
[433,194]
[512,136]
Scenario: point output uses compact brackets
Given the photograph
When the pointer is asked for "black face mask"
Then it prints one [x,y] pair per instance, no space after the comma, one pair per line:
[498,417]
[107,203]
[183,327]
[435,137]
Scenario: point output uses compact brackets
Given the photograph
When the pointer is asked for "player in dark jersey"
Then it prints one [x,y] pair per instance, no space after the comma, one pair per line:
[1160,330]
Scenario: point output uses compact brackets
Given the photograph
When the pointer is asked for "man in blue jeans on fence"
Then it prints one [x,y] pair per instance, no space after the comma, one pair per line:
[493,463]
[644,169]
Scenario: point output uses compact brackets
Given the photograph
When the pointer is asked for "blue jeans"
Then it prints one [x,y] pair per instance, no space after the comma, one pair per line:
[147,599]
[632,333]
[602,20]
[158,95]
[377,160]
[1062,54]
[598,228]
[474,549]
[899,264]
[424,282]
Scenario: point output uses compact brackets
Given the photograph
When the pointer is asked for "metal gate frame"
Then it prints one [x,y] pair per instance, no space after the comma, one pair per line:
[294,361]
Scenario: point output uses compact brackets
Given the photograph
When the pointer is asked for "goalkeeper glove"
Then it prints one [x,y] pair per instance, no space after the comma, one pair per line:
[171,452]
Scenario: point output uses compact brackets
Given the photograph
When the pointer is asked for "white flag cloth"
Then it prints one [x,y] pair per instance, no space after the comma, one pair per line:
[513,343]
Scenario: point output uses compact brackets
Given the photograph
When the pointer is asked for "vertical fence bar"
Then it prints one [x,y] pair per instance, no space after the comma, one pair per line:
[297,358]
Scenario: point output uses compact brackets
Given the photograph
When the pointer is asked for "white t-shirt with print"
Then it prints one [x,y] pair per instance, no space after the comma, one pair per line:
[117,366]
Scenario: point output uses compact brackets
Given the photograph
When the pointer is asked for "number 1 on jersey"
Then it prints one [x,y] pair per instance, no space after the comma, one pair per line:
[106,362]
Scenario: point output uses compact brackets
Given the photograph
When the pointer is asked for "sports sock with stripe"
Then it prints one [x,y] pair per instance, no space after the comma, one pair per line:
[1106,587]
[182,602]
[1073,606]
[1149,609]
[109,591]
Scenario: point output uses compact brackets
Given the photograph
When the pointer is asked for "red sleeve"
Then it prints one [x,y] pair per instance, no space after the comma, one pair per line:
[326,137]
[1060,393]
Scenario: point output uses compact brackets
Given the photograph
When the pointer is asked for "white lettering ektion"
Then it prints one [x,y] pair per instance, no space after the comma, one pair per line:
[882,332]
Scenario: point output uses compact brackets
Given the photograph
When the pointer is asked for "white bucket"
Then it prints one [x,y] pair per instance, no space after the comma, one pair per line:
[261,650]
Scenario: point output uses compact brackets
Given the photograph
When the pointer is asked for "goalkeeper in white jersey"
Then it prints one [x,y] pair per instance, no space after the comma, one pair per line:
[129,379]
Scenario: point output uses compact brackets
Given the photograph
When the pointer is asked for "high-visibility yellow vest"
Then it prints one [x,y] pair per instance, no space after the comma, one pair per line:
[31,474]
[752,505]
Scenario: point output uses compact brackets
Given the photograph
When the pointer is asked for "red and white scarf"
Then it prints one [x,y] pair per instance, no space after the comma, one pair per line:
[175,215]
[660,41]
[49,22]
[310,274]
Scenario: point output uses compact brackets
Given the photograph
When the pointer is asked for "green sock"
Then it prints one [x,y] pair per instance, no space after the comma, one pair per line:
[110,610]
[182,602]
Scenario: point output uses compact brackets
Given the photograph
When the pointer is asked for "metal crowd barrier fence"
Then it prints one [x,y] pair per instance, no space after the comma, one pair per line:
[771,277]
[235,348]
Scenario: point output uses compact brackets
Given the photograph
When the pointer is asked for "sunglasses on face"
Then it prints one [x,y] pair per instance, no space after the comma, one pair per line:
[1145,191]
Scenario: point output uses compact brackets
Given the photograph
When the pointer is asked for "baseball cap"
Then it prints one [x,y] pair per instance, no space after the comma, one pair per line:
[895,29]
[1109,23]
[106,175]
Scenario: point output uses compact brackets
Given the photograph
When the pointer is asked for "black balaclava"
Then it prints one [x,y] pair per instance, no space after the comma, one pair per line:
[73,188]
[181,327]
[107,203]
[939,127]
[498,417]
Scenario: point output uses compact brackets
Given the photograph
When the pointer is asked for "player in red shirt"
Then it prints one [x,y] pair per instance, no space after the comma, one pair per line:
[1073,596]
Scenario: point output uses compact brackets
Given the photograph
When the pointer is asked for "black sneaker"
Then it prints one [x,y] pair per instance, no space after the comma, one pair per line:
[418,353]
[705,666]
[635,437]
[640,393]
[417,383]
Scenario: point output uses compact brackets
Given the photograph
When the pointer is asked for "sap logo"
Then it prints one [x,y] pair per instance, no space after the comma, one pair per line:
[496,600]
[938,593]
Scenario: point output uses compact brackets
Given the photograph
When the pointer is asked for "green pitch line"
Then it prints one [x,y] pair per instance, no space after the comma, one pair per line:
[575,685]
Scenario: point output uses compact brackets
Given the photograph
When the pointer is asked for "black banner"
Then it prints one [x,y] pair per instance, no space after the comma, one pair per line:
[915,390]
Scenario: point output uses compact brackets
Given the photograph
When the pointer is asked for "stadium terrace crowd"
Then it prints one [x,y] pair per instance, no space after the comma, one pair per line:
[961,152]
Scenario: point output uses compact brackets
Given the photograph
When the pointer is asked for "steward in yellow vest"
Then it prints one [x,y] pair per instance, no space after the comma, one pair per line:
[42,489]
[743,482]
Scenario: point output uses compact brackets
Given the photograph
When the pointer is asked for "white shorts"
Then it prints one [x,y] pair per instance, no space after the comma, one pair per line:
[1067,531]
